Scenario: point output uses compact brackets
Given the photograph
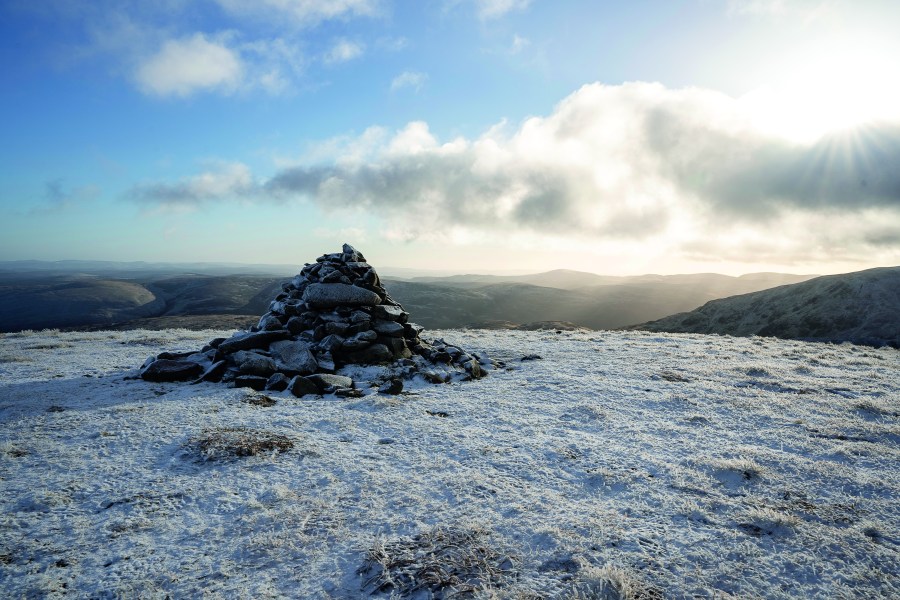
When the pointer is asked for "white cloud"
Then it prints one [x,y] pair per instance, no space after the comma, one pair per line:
[491,9]
[409,79]
[632,164]
[184,66]
[272,65]
[519,43]
[301,12]
[392,44]
[155,46]
[343,51]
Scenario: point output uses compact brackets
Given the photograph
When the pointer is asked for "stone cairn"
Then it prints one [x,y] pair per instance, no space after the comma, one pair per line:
[334,317]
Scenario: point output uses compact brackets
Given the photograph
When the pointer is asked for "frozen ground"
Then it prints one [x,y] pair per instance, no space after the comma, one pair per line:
[621,465]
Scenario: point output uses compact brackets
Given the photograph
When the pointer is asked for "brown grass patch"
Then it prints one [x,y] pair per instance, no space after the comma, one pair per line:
[233,442]
[442,562]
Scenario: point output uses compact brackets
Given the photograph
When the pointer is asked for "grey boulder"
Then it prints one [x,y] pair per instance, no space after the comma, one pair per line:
[326,295]
[374,354]
[326,381]
[389,313]
[294,357]
[278,382]
[251,363]
[166,369]
[390,328]
[251,381]
[248,341]
[301,386]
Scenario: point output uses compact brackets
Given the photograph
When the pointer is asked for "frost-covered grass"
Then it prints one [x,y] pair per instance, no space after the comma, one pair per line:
[622,465]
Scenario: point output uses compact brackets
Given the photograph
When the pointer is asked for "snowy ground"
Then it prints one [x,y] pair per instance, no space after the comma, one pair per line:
[621,465]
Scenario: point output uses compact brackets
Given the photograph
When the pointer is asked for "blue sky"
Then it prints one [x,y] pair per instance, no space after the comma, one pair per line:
[462,135]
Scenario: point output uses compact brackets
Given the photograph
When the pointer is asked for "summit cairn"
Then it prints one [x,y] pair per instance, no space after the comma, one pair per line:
[332,328]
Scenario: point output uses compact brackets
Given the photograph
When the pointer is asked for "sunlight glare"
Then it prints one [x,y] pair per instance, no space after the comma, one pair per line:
[828,88]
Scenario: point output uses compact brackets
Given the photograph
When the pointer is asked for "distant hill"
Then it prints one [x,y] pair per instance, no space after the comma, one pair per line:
[468,300]
[861,307]
[80,300]
[565,279]
[73,300]
[124,295]
[108,268]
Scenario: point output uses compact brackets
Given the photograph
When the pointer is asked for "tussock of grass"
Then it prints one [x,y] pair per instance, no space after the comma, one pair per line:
[260,400]
[673,377]
[12,450]
[442,562]
[767,521]
[612,583]
[8,357]
[149,341]
[745,468]
[874,407]
[231,442]
[48,346]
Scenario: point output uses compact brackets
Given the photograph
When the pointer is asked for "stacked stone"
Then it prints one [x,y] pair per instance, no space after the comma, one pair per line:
[335,313]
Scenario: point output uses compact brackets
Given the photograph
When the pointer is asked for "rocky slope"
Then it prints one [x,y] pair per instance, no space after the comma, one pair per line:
[861,307]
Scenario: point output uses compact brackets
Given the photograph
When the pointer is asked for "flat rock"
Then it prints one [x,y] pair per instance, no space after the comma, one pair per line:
[296,325]
[324,295]
[251,363]
[412,330]
[294,357]
[330,343]
[324,381]
[166,369]
[326,362]
[374,354]
[248,341]
[390,328]
[474,369]
[174,355]
[214,373]
[250,381]
[398,347]
[270,323]
[389,313]
[392,387]
[278,382]
[301,386]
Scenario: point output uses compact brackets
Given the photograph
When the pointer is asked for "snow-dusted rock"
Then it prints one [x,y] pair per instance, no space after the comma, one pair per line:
[324,381]
[245,340]
[327,295]
[253,363]
[250,381]
[301,386]
[393,387]
[294,357]
[166,369]
[373,354]
[389,313]
[391,328]
[278,382]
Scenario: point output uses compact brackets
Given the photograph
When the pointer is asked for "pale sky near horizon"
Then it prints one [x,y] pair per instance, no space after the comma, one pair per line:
[653,136]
